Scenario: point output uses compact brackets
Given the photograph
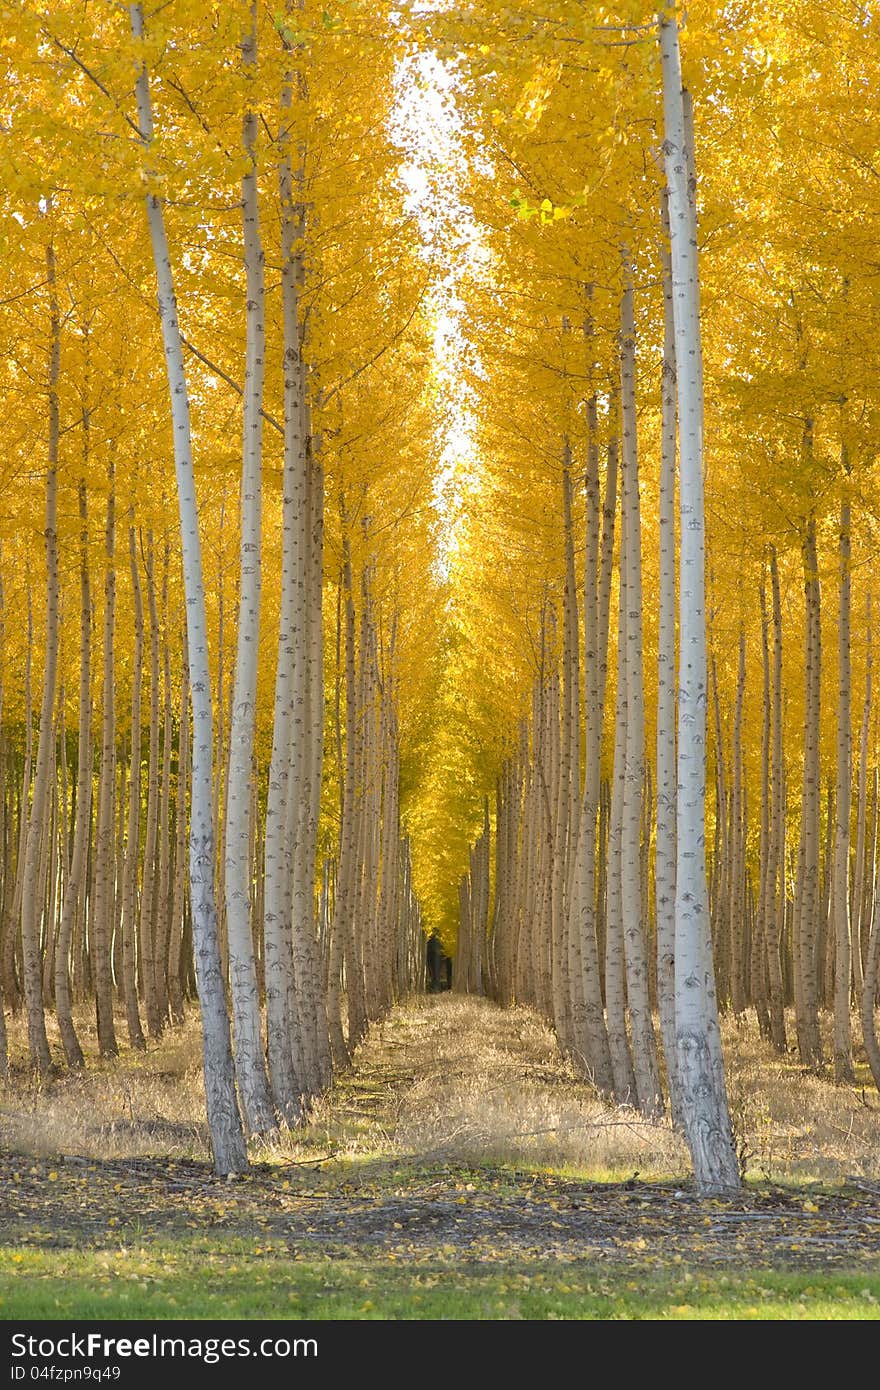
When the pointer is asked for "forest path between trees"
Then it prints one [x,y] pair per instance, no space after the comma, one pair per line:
[458,1137]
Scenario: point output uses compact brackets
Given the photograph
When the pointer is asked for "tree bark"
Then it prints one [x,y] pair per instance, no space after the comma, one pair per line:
[129,922]
[163,909]
[862,874]
[148,884]
[178,902]
[808,899]
[644,1044]
[38,1042]
[615,965]
[74,889]
[250,1066]
[664,859]
[224,1120]
[698,1044]
[843,1065]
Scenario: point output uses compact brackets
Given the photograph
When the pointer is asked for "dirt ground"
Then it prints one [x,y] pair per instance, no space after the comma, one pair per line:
[457,1135]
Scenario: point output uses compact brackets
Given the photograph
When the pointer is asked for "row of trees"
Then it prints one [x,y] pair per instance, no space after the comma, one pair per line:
[579,319]
[428,393]
[210,795]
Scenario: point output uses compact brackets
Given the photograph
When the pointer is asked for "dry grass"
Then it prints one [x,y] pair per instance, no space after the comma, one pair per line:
[141,1104]
[452,1079]
[792,1124]
[489,1085]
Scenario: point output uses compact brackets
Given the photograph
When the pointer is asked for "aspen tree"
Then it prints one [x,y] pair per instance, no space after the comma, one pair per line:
[664,861]
[163,912]
[129,903]
[74,887]
[774,919]
[758,981]
[31,880]
[736,846]
[178,901]
[807,901]
[644,1046]
[863,871]
[250,1067]
[147,934]
[102,890]
[700,1067]
[840,895]
[625,1089]
[230,1153]
[342,946]
[868,1000]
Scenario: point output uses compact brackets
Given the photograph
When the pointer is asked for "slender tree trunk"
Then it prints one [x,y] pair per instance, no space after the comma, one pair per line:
[343,945]
[862,873]
[224,1121]
[766,886]
[74,891]
[283,789]
[615,966]
[129,924]
[250,1066]
[317,1004]
[700,1064]
[163,911]
[825,936]
[644,1045]
[719,898]
[570,783]
[104,868]
[178,904]
[808,900]
[148,888]
[12,936]
[596,1058]
[843,1067]
[51,863]
[308,722]
[345,773]
[775,913]
[868,1001]
[664,860]
[736,839]
[221,780]
[38,1043]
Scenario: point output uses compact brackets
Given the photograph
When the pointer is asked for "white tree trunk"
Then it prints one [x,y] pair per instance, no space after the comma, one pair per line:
[250,1066]
[807,905]
[775,913]
[178,898]
[698,1044]
[860,916]
[163,912]
[664,860]
[151,827]
[129,876]
[38,1042]
[75,885]
[224,1120]
[843,1065]
[736,844]
[615,961]
[644,1044]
